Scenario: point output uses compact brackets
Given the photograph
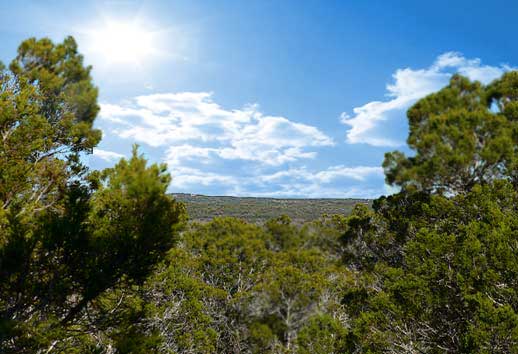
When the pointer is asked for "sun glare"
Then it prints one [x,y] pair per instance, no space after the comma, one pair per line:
[123,42]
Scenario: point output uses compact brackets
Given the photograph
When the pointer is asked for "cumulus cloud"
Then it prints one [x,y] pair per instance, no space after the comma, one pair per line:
[223,151]
[242,151]
[191,124]
[380,123]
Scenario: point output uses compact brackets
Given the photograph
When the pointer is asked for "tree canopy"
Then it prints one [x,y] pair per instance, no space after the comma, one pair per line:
[463,135]
[48,104]
[67,235]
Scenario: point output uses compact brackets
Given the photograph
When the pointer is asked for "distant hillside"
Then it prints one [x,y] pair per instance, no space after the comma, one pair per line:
[257,210]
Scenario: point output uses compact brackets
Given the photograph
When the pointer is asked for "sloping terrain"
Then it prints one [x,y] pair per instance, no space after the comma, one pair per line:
[257,210]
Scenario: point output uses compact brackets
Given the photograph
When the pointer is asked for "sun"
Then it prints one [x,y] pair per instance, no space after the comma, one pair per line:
[120,42]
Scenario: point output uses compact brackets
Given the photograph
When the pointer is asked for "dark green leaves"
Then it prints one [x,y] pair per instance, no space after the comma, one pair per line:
[458,138]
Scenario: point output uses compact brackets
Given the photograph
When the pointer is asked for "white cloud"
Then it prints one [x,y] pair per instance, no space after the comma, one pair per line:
[177,155]
[107,155]
[333,173]
[359,173]
[231,151]
[295,182]
[186,177]
[370,123]
[201,141]
[192,119]
[317,191]
[216,150]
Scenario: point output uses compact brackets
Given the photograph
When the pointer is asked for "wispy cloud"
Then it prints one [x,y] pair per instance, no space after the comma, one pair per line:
[106,155]
[293,182]
[374,122]
[186,177]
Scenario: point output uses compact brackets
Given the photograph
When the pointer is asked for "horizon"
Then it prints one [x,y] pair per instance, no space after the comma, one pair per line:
[278,100]
[252,197]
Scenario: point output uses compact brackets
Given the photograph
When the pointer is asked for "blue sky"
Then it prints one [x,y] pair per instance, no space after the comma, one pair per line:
[268,98]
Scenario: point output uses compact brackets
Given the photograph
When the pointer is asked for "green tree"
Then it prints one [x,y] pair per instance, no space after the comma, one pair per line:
[299,285]
[228,287]
[454,286]
[463,135]
[47,108]
[198,297]
[68,237]
[435,265]
[322,334]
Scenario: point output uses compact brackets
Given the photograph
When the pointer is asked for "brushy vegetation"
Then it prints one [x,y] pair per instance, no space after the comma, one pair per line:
[259,210]
[105,262]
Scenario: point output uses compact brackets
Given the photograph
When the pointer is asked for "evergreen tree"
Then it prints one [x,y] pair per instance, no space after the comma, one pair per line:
[463,135]
[68,236]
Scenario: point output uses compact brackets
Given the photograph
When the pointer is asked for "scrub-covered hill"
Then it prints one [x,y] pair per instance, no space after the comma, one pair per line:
[205,208]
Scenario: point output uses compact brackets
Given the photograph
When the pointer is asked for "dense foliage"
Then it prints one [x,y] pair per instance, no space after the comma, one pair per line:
[439,275]
[463,135]
[104,262]
[67,236]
